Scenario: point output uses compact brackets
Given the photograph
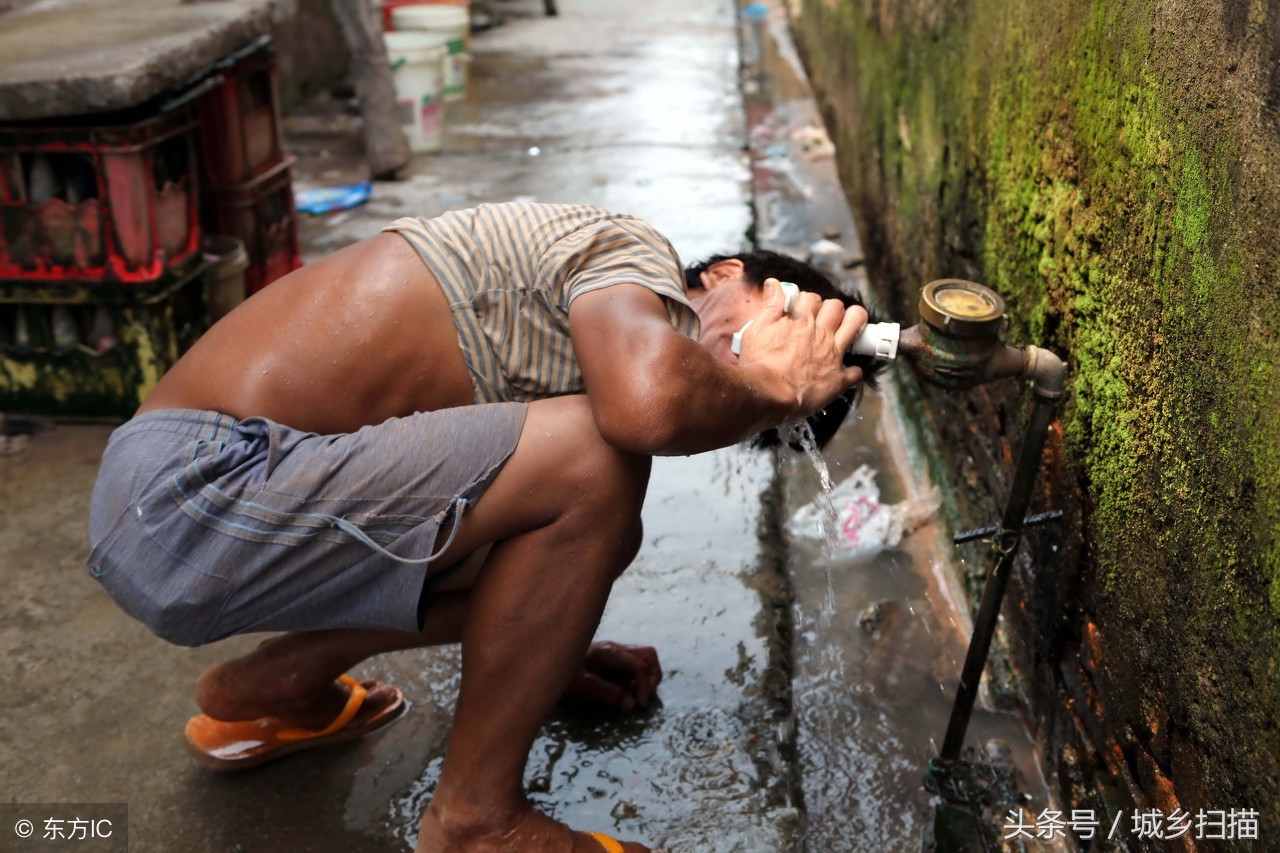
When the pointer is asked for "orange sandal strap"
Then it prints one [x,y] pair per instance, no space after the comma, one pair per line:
[606,842]
[354,702]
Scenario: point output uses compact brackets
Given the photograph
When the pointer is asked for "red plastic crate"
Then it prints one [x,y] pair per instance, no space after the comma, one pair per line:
[114,204]
[261,214]
[240,132]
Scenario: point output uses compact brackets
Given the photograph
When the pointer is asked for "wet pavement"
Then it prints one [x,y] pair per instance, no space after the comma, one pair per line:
[802,691]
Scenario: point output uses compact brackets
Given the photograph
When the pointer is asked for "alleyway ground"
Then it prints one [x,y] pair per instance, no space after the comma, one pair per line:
[633,107]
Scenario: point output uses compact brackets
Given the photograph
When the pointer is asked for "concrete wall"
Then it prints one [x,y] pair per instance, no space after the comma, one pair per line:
[309,49]
[1111,167]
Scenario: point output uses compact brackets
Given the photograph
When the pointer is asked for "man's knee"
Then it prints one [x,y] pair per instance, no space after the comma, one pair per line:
[597,478]
[562,475]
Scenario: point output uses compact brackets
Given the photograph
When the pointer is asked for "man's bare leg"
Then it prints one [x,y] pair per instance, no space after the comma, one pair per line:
[530,622]
[563,517]
[294,676]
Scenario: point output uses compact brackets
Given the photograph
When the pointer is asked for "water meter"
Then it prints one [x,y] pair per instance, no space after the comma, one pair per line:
[959,333]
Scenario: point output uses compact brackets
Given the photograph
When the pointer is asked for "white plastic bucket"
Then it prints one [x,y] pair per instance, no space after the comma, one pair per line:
[452,22]
[417,66]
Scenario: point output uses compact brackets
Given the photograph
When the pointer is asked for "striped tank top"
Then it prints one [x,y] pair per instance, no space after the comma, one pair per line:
[510,272]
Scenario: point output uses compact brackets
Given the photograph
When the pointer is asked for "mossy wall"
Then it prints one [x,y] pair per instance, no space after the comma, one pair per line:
[1112,168]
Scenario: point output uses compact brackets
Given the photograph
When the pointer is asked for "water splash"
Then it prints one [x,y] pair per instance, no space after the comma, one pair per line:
[801,434]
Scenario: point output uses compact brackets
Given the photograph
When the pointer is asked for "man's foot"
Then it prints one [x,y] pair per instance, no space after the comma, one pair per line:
[614,675]
[282,678]
[528,832]
[240,744]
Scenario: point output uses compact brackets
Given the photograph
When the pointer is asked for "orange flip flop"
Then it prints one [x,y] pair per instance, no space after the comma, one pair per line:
[609,845]
[247,743]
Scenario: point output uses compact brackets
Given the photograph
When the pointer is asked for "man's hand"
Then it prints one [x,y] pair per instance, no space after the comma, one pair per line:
[806,346]
[622,677]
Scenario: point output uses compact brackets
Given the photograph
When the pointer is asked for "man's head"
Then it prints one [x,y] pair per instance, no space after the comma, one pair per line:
[728,290]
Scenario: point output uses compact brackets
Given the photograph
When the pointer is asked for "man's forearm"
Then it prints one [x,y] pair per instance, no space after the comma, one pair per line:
[702,404]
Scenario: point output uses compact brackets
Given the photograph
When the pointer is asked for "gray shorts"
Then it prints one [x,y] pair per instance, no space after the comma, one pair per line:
[203,526]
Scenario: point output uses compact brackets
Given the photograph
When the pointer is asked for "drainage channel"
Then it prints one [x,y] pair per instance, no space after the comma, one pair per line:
[878,623]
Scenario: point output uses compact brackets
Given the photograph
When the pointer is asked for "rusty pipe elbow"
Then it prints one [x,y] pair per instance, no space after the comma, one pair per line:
[1004,364]
[909,343]
[1048,372]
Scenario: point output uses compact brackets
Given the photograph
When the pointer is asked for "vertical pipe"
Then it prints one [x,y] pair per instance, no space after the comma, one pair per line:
[1004,546]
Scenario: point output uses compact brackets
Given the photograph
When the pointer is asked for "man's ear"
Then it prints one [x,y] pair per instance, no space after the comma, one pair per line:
[720,272]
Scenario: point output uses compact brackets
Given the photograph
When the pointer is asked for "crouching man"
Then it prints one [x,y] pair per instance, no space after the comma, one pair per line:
[443,434]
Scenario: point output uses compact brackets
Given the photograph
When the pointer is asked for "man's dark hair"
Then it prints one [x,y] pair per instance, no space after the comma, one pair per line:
[761,264]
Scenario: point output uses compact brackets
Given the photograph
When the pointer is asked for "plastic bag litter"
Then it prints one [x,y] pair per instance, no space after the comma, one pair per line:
[328,199]
[826,252]
[863,525]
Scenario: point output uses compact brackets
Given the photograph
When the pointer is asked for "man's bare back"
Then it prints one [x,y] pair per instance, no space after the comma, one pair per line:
[350,340]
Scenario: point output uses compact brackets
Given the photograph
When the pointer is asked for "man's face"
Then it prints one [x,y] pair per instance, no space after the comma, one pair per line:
[725,305]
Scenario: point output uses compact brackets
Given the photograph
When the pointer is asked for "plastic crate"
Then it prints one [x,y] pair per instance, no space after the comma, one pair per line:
[98,203]
[260,213]
[240,131]
[96,350]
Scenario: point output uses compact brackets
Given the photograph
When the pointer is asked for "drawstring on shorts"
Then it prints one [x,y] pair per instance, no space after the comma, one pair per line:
[354,531]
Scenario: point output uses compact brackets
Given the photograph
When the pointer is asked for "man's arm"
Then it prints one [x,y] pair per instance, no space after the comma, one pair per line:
[654,391]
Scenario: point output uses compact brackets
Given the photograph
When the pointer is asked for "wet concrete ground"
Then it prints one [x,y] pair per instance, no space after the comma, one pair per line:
[635,107]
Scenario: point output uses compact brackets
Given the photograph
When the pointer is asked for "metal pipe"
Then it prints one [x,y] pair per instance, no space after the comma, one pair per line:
[988,532]
[1047,372]
[957,346]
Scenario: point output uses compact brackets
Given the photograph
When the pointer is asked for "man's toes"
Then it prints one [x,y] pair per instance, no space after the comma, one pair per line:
[378,698]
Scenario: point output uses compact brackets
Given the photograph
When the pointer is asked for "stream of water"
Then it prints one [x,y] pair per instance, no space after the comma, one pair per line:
[828,516]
